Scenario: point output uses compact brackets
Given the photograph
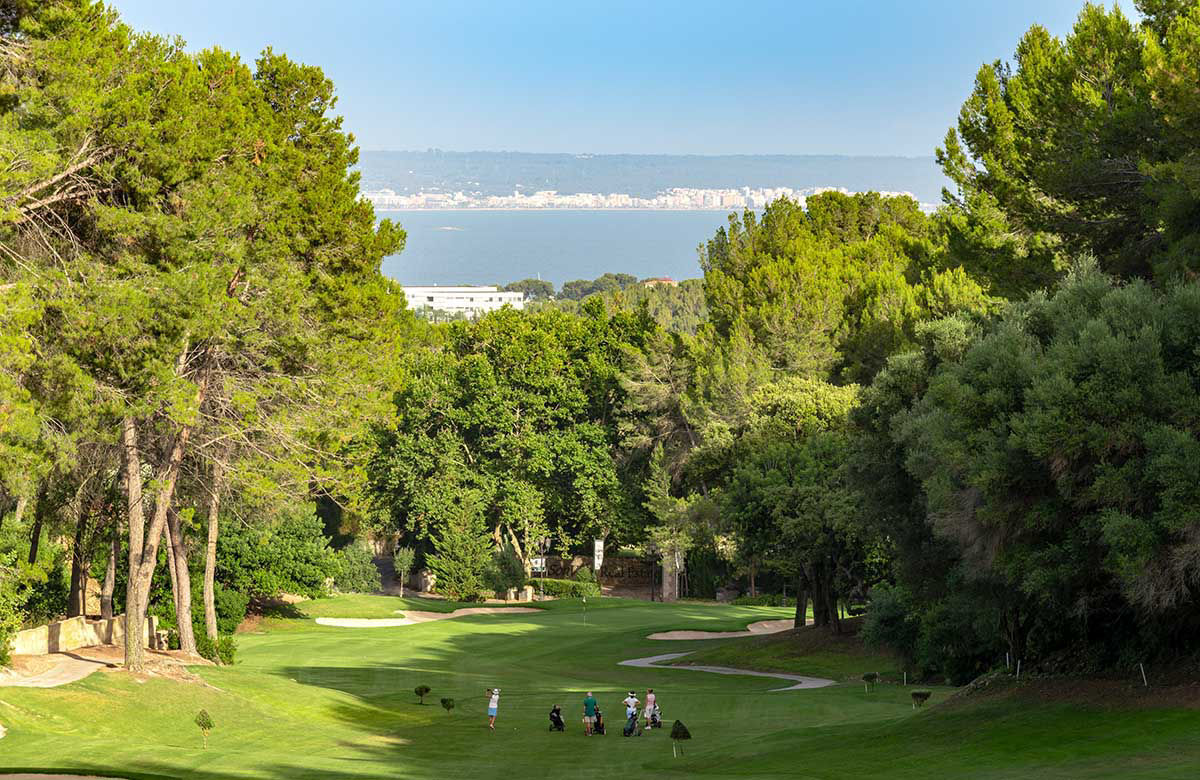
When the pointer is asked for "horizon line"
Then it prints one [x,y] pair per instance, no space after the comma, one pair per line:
[434,150]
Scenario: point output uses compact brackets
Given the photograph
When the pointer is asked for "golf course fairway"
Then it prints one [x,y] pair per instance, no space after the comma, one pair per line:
[312,701]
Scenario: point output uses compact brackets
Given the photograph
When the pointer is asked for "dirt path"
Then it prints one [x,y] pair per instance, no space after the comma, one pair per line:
[655,662]
[415,616]
[754,629]
[51,671]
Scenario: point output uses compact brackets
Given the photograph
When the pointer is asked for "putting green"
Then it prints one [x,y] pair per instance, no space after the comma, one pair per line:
[313,701]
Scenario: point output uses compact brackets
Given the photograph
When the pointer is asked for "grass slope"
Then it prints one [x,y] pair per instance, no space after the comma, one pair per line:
[810,651]
[313,701]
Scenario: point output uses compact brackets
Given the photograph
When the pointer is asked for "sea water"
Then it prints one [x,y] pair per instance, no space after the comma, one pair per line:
[497,247]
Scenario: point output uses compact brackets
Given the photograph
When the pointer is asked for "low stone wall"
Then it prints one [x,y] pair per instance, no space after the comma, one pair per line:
[73,633]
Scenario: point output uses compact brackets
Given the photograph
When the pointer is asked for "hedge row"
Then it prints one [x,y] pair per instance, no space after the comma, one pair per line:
[565,588]
[765,600]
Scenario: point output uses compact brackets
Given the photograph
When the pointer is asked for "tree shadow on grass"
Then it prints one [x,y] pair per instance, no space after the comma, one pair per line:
[276,608]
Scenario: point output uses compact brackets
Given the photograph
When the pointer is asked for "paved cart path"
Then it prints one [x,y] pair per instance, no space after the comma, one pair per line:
[656,662]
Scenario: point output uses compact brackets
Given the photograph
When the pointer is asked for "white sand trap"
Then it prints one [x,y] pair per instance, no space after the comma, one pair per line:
[416,616]
[364,622]
[754,629]
[655,662]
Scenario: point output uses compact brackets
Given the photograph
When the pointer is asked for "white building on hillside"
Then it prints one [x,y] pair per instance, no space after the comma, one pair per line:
[470,302]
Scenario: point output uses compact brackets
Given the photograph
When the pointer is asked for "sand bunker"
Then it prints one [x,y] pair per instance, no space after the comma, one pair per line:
[655,662]
[416,616]
[754,629]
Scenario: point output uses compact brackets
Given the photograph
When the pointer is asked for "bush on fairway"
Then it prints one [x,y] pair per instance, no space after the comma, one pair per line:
[447,705]
[422,691]
[869,680]
[221,651]
[205,722]
[679,733]
[920,697]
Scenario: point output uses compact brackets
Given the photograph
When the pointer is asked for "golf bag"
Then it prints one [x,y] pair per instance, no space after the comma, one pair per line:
[598,726]
[632,729]
[656,718]
[556,721]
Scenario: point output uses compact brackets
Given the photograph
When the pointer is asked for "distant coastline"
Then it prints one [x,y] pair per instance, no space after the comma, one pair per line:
[552,210]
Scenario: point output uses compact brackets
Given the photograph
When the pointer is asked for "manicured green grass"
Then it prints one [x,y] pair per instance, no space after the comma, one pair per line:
[315,701]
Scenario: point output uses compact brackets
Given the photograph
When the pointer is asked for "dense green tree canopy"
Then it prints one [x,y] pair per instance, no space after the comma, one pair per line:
[1081,144]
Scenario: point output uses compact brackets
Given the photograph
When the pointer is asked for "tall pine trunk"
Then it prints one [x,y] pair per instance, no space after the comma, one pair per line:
[35,536]
[210,550]
[77,598]
[166,540]
[19,512]
[134,649]
[183,585]
[110,573]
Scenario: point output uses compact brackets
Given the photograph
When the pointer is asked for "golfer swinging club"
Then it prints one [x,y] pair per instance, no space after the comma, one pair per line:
[493,705]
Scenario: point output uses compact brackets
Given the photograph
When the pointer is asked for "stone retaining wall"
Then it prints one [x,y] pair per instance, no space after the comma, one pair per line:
[73,633]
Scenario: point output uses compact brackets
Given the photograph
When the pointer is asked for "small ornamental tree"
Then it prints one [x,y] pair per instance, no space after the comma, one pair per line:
[679,732]
[919,698]
[869,680]
[403,560]
[422,691]
[205,722]
[447,705]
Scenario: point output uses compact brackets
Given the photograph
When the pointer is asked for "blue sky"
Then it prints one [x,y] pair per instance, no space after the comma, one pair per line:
[699,77]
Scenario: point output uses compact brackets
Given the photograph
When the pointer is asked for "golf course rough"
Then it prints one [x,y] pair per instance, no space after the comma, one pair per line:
[309,701]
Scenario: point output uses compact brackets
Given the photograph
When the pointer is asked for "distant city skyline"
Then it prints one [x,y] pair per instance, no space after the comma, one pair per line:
[620,76]
[672,199]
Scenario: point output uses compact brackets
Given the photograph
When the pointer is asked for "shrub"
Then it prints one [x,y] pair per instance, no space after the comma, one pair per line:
[891,622]
[869,679]
[422,691]
[231,608]
[10,616]
[447,705]
[958,638]
[507,570]
[679,732]
[403,559]
[46,587]
[565,588]
[221,652]
[205,722]
[585,574]
[920,697]
[765,600]
[356,570]
[289,555]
